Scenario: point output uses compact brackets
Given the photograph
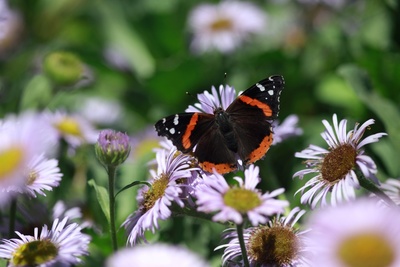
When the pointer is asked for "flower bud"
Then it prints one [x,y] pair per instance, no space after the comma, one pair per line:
[112,148]
[63,68]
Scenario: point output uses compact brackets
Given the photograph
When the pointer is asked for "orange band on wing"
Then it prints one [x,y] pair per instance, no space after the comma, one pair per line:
[221,168]
[254,102]
[186,137]
[261,150]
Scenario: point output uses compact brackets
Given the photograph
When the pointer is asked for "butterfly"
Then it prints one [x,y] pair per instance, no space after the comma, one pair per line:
[228,139]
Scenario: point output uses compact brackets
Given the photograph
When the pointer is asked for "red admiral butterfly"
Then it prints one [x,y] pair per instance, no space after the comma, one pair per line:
[221,140]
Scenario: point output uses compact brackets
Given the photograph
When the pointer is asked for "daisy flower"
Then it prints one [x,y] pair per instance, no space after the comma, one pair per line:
[286,129]
[108,111]
[209,101]
[62,245]
[391,188]
[75,129]
[335,169]
[154,201]
[278,243]
[236,203]
[224,26]
[21,139]
[42,174]
[360,233]
[11,26]
[155,255]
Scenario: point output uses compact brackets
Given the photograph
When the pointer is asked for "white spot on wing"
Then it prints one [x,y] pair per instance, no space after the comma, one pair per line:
[164,120]
[271,92]
[172,130]
[262,88]
[176,119]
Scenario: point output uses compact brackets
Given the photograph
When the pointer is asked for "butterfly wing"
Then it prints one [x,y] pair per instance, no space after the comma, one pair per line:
[251,114]
[213,153]
[185,129]
[198,133]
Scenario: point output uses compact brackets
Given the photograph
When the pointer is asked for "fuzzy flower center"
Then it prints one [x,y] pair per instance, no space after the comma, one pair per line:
[275,246]
[221,24]
[10,160]
[338,163]
[242,199]
[156,192]
[69,126]
[366,249]
[34,253]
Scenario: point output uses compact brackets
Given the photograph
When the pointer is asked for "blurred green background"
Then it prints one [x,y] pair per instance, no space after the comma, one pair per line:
[335,59]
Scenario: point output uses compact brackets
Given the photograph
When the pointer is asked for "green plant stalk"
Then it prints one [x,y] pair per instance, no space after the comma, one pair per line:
[111,188]
[13,213]
[370,186]
[239,229]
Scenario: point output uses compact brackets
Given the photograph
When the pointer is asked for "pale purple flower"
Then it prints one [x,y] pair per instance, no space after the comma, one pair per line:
[238,202]
[112,147]
[11,26]
[216,99]
[73,128]
[278,243]
[155,255]
[22,138]
[154,202]
[359,233]
[42,174]
[62,245]
[286,129]
[224,26]
[391,187]
[335,169]
[100,111]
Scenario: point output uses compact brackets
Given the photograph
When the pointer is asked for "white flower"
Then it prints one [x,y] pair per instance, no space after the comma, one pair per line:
[75,129]
[156,255]
[155,202]
[286,129]
[235,203]
[279,243]
[22,138]
[360,233]
[224,26]
[100,110]
[63,245]
[40,174]
[335,169]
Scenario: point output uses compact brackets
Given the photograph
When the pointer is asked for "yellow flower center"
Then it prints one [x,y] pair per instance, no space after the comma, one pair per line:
[69,126]
[221,24]
[34,253]
[10,160]
[366,250]
[338,163]
[242,200]
[156,191]
[273,246]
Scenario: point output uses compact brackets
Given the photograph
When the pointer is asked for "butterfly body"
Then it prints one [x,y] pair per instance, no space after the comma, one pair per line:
[226,139]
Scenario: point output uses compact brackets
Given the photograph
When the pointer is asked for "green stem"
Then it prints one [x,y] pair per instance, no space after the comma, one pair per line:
[111,188]
[13,214]
[370,186]
[239,229]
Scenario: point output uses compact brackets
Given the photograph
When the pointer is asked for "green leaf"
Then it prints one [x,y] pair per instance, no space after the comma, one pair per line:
[102,197]
[37,93]
[386,110]
[126,40]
